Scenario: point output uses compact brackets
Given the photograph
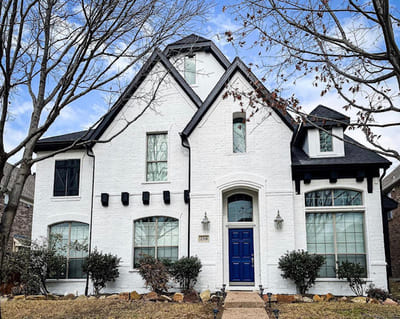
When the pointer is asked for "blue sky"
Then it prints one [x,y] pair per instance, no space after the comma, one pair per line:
[88,109]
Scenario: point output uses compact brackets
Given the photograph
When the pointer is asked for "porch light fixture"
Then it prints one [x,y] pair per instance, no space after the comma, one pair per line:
[278,221]
[205,222]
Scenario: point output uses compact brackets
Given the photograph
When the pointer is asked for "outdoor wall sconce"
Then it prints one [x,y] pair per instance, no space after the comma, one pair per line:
[205,222]
[278,221]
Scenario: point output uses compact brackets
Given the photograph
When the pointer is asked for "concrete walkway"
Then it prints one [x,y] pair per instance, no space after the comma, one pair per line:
[240,305]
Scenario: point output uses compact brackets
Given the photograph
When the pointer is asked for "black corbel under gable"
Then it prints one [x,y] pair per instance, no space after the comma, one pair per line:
[333,173]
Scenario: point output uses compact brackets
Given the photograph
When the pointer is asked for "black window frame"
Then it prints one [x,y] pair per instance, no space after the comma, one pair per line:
[64,171]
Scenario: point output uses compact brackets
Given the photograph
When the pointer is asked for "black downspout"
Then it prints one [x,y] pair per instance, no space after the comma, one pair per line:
[386,242]
[185,144]
[91,212]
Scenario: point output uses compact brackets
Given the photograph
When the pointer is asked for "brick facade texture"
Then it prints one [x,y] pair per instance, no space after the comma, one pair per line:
[394,231]
[22,225]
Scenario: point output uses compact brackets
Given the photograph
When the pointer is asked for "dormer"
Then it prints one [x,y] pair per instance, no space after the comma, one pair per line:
[199,62]
[326,139]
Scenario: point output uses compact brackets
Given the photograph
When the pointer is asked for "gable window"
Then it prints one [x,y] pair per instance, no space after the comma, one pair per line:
[71,240]
[66,177]
[325,141]
[239,133]
[190,69]
[338,236]
[157,157]
[157,237]
[240,208]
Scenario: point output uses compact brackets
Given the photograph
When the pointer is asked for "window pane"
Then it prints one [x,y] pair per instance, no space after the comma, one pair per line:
[190,69]
[319,198]
[357,259]
[145,232]
[328,269]
[239,135]
[170,253]
[240,208]
[79,240]
[343,197]
[66,177]
[157,171]
[75,268]
[325,141]
[168,233]
[59,236]
[157,157]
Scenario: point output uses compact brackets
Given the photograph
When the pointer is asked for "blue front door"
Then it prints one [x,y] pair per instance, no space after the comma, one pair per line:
[241,256]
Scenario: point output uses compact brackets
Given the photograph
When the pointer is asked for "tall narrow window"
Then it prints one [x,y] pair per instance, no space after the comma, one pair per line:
[71,241]
[239,133]
[66,177]
[157,157]
[325,141]
[190,69]
[157,237]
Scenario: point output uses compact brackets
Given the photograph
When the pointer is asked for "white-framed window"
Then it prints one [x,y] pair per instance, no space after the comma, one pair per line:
[156,236]
[325,141]
[239,133]
[190,69]
[157,157]
[240,208]
[337,235]
[71,241]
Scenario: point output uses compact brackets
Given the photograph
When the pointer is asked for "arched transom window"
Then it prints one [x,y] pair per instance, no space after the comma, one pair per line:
[240,208]
[71,241]
[157,237]
[335,233]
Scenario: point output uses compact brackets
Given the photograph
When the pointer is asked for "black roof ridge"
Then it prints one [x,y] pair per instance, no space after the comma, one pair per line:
[188,39]
[329,109]
[237,64]
[62,135]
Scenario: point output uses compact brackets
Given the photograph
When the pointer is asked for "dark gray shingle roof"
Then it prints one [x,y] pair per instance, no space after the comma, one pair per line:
[322,112]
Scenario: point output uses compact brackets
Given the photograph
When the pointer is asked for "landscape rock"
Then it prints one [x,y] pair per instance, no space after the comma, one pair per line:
[389,301]
[69,297]
[285,298]
[135,296]
[307,299]
[114,296]
[298,298]
[165,298]
[35,297]
[191,296]
[178,297]
[374,301]
[95,298]
[318,298]
[359,300]
[344,299]
[81,297]
[205,295]
[329,297]
[151,296]
[124,296]
[19,297]
[53,297]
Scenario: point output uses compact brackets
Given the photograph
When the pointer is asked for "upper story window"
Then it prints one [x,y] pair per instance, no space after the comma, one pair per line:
[240,208]
[190,69]
[157,237]
[239,133]
[71,241]
[157,157]
[66,177]
[333,197]
[325,141]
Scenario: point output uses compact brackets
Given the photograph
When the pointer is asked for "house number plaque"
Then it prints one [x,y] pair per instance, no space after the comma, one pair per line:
[204,238]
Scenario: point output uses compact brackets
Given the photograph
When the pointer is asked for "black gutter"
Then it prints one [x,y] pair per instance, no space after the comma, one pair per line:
[91,213]
[385,226]
[185,144]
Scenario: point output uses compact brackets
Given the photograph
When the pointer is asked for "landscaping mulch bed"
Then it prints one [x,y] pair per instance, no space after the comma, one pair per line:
[79,309]
[335,310]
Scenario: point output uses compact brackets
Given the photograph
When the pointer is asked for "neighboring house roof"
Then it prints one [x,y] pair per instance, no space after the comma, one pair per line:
[322,112]
[391,180]
[237,65]
[28,191]
[355,154]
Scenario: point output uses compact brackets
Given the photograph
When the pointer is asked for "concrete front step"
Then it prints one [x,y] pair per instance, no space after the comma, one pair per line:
[244,313]
[238,299]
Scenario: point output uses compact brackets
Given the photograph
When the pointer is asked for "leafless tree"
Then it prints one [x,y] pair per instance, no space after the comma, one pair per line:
[59,51]
[345,46]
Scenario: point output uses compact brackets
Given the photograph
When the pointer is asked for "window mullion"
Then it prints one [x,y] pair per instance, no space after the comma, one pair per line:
[334,240]
[68,249]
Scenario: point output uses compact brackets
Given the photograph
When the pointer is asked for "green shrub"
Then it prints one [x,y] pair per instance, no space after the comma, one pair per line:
[377,293]
[353,273]
[301,267]
[154,273]
[185,271]
[101,268]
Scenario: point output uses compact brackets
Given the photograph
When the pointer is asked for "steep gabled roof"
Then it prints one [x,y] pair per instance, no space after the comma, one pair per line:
[62,141]
[237,65]
[194,43]
[322,112]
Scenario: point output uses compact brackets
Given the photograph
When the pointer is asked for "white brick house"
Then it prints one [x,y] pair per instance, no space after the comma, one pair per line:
[193,155]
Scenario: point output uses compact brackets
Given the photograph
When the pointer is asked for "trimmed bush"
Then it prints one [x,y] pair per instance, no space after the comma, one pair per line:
[301,267]
[185,271]
[102,268]
[353,273]
[377,293]
[154,274]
